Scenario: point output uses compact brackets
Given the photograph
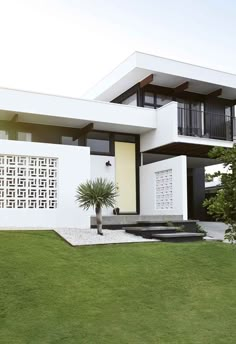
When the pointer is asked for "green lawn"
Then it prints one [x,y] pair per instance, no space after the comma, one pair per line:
[134,294]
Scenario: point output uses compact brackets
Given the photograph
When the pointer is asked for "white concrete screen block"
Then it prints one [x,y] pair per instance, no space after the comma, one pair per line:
[163,187]
[38,183]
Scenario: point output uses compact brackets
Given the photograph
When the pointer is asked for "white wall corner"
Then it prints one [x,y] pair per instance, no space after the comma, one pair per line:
[166,131]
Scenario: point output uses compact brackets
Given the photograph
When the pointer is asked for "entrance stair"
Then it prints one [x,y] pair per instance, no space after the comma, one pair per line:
[165,233]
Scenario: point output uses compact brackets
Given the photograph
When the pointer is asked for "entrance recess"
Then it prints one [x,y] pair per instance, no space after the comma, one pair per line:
[126,176]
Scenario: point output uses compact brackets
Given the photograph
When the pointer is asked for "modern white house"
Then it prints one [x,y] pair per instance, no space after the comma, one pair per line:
[148,126]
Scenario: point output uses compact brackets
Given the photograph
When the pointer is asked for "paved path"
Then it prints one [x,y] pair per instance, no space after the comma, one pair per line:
[81,237]
[214,229]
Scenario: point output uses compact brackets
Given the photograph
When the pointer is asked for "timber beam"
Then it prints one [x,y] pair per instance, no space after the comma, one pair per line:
[146,81]
[83,131]
[181,88]
[215,93]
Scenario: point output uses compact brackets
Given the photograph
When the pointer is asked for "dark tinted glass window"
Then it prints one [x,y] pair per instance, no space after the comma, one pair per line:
[68,140]
[124,138]
[98,142]
[162,100]
[132,100]
[23,136]
[149,98]
[3,135]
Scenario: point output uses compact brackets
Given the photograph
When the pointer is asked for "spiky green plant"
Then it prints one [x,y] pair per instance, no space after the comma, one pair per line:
[97,193]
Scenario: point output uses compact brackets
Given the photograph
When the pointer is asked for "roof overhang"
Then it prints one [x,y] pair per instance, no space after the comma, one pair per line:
[28,107]
[167,73]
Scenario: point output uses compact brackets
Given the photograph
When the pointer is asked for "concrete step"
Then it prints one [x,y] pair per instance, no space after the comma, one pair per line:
[178,237]
[117,221]
[147,232]
[189,225]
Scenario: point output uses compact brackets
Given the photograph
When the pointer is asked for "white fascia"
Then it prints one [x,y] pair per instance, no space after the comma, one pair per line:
[139,65]
[185,70]
[71,112]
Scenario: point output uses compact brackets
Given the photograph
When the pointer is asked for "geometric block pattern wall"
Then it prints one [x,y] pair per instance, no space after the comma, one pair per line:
[164,189]
[28,182]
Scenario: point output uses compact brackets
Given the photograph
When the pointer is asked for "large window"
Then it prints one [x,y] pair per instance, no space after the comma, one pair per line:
[23,136]
[98,142]
[132,100]
[3,135]
[68,140]
[153,100]
[191,118]
[103,143]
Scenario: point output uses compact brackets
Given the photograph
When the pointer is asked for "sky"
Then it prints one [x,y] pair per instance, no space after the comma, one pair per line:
[64,47]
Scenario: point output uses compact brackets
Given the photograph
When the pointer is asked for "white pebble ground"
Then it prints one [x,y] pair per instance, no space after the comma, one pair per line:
[81,237]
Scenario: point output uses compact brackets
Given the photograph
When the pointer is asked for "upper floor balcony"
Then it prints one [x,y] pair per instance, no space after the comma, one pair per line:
[186,131]
[204,124]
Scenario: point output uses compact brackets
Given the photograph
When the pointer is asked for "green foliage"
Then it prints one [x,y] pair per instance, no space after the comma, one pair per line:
[208,177]
[223,205]
[230,234]
[180,229]
[96,193]
[169,224]
[199,229]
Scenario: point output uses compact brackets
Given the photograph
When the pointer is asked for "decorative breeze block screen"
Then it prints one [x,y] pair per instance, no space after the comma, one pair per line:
[164,189]
[28,182]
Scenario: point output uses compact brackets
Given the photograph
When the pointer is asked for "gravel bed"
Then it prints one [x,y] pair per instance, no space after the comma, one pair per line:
[82,237]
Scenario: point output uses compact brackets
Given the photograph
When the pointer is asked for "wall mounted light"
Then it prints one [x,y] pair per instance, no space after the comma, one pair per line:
[108,163]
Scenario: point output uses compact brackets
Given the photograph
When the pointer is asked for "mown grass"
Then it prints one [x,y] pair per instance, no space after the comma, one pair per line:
[135,293]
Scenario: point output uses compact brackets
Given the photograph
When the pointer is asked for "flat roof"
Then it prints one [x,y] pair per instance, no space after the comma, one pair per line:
[38,108]
[167,73]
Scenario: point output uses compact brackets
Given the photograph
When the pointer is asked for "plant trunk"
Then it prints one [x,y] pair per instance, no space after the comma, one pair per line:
[98,210]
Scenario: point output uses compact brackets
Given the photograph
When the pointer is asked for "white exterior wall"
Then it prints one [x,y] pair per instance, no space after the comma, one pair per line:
[73,168]
[100,170]
[167,128]
[178,165]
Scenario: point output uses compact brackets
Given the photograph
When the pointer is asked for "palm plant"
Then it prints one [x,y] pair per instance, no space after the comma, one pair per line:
[97,193]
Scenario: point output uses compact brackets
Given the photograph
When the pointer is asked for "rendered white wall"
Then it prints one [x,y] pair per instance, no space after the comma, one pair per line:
[167,128]
[100,170]
[73,168]
[55,110]
[178,165]
[205,141]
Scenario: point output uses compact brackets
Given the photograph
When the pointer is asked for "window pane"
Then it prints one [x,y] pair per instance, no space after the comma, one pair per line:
[21,136]
[132,100]
[68,140]
[162,100]
[124,138]
[98,142]
[228,111]
[149,98]
[101,146]
[3,135]
[149,106]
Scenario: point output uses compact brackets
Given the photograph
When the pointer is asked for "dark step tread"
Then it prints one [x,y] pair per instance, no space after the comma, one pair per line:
[178,235]
[146,229]
[176,221]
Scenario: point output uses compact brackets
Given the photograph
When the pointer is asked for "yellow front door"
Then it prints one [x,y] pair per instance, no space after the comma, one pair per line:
[126,176]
